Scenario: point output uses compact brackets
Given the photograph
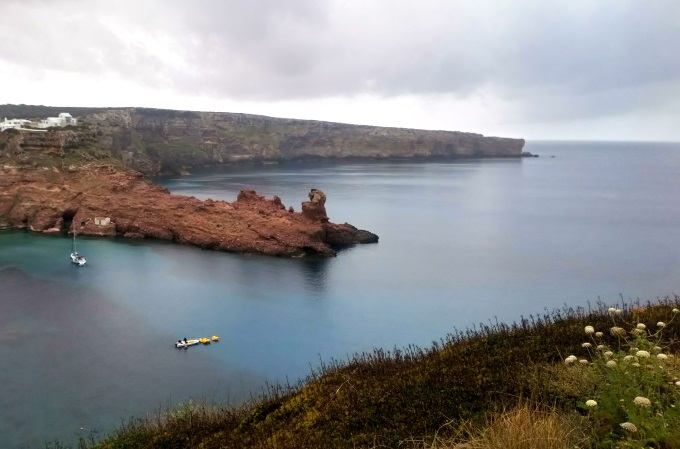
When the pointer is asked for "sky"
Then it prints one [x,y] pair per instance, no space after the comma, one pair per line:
[577,69]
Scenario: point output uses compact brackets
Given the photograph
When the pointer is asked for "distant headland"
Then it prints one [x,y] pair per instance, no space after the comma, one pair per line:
[156,141]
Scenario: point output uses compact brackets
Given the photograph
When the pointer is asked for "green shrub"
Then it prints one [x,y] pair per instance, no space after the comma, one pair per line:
[636,384]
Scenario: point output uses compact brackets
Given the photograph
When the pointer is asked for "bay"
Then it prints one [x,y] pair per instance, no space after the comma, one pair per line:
[461,242]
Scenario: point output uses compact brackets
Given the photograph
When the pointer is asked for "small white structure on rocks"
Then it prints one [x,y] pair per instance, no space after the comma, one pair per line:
[13,124]
[64,119]
[99,221]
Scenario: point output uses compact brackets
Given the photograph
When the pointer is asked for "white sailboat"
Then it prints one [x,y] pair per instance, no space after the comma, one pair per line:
[75,257]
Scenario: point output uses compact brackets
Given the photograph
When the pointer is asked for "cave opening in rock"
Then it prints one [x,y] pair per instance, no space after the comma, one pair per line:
[67,218]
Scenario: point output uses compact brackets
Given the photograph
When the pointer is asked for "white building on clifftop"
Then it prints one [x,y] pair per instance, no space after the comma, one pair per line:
[64,119]
[13,124]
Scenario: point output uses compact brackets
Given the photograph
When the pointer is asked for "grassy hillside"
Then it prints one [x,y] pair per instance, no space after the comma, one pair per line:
[33,112]
[457,390]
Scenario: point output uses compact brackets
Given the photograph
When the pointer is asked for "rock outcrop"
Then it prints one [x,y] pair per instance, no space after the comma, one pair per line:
[46,185]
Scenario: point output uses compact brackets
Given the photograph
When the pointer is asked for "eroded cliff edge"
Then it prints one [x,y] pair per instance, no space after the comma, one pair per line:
[157,140]
[63,180]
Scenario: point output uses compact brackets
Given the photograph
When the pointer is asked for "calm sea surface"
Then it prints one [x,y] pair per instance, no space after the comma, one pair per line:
[460,243]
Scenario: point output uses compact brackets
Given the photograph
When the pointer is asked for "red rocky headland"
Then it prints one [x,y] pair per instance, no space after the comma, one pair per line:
[61,180]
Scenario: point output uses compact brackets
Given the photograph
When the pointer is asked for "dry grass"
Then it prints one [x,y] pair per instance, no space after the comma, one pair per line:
[524,427]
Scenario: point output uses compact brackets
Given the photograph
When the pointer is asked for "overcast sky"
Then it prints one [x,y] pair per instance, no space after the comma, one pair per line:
[577,69]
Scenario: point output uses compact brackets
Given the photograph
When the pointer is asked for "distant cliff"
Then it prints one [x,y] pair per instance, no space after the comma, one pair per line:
[156,140]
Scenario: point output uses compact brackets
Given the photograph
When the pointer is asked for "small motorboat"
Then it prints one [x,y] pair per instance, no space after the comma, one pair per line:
[182,344]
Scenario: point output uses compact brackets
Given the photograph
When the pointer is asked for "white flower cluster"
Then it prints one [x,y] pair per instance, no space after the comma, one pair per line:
[629,426]
[570,359]
[642,402]
[642,354]
[591,403]
[590,330]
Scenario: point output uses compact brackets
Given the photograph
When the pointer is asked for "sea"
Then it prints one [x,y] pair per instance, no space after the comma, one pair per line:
[462,242]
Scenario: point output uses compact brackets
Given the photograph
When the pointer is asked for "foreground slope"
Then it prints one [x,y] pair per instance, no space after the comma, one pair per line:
[400,398]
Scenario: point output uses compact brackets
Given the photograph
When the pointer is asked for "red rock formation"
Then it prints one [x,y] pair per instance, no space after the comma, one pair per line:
[48,196]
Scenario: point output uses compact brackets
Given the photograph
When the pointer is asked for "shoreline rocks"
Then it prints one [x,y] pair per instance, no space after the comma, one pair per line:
[100,200]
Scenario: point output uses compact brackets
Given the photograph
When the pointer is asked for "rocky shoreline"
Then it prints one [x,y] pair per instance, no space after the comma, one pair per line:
[48,183]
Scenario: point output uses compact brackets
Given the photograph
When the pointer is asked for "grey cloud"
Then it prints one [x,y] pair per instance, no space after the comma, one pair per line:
[552,59]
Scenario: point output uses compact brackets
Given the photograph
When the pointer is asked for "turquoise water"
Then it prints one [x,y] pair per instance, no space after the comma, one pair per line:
[460,243]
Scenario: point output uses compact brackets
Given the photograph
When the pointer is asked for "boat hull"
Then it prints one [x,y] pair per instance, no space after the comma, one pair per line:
[186,345]
[78,260]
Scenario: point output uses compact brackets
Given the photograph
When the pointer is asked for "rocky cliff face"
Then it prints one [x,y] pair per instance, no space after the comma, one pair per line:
[152,140]
[56,181]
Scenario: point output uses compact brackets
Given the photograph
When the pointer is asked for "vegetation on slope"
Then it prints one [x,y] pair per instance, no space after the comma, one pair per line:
[26,111]
[472,386]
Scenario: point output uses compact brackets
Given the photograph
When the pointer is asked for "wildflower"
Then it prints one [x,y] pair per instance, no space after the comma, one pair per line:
[618,331]
[612,310]
[642,354]
[599,334]
[642,402]
[590,330]
[661,356]
[608,354]
[583,362]
[641,326]
[611,364]
[636,365]
[586,345]
[638,331]
[591,403]
[661,324]
[570,359]
[619,311]
[629,426]
[677,383]
[656,349]
[676,311]
[600,347]
[638,310]
[628,358]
